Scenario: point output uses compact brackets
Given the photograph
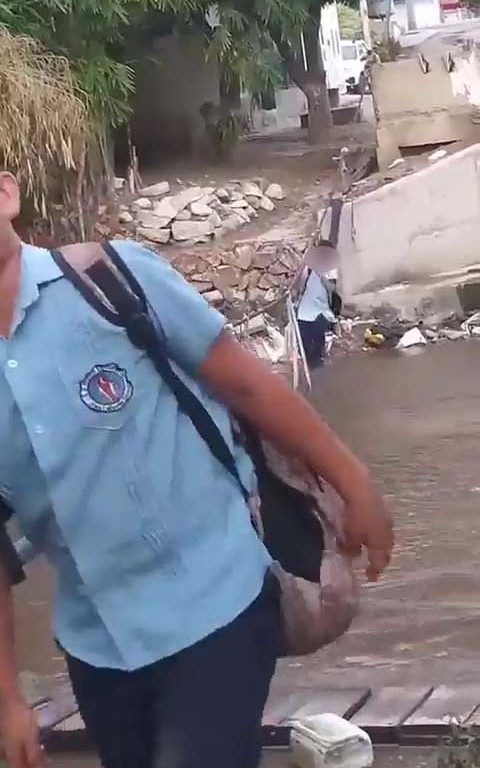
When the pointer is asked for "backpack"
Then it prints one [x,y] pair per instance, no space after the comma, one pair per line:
[289,518]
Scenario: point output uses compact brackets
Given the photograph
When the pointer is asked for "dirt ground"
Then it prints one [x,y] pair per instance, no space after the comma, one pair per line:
[308,174]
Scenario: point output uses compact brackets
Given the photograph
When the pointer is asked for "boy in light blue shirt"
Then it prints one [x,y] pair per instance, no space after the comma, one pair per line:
[170,625]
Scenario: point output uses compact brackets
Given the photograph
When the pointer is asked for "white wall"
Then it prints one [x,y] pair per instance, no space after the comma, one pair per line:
[419,226]
[331,48]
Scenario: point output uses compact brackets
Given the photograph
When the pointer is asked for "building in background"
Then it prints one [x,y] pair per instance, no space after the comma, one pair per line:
[289,102]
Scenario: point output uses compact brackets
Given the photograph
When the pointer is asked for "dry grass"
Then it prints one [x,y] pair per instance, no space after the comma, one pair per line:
[44,124]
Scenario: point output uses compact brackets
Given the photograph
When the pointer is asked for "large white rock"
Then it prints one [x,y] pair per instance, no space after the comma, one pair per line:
[232,222]
[242,213]
[125,217]
[239,204]
[266,204]
[215,219]
[201,209]
[185,198]
[152,221]
[223,195]
[254,202]
[156,190]
[249,189]
[165,209]
[155,235]
[243,255]
[191,230]
[143,202]
[183,215]
[275,192]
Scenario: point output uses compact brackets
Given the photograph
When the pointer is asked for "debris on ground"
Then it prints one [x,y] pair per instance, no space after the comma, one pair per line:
[195,214]
[374,338]
[412,338]
[356,334]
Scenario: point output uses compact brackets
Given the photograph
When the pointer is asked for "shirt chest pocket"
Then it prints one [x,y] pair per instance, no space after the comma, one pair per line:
[105,376]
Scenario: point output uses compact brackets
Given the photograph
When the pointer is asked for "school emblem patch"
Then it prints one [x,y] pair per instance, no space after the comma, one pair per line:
[106,388]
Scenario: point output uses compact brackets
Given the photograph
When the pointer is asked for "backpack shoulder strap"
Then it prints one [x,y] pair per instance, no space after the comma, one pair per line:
[112,292]
[106,283]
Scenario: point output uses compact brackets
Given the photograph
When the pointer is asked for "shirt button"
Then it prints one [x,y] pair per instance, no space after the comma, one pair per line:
[38,429]
[12,363]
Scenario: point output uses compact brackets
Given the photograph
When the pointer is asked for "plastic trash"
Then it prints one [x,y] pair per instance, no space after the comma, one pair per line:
[373,338]
[412,338]
[329,741]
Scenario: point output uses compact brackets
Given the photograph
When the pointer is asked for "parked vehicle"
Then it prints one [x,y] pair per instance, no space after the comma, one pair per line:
[354,55]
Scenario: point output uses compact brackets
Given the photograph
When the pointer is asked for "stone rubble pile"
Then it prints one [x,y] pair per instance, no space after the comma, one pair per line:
[245,279]
[197,214]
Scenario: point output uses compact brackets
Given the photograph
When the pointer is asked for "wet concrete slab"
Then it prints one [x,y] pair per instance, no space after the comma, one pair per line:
[416,422]
[385,757]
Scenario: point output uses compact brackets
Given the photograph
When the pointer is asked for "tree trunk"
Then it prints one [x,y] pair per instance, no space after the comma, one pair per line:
[319,115]
[305,67]
[315,83]
[230,95]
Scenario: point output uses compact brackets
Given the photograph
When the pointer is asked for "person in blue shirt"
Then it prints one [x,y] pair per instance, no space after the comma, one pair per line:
[317,314]
[170,627]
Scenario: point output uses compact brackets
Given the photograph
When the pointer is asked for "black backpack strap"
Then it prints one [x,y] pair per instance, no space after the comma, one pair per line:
[106,283]
[8,555]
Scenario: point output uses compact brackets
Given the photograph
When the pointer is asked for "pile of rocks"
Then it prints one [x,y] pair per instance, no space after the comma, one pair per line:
[245,279]
[197,214]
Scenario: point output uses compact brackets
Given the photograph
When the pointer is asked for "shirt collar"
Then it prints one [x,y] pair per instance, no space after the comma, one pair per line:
[37,269]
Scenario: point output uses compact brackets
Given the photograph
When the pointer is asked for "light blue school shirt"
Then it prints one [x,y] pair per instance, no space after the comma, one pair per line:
[150,537]
[315,300]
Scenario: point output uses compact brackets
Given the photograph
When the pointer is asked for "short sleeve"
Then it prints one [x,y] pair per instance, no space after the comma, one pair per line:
[190,325]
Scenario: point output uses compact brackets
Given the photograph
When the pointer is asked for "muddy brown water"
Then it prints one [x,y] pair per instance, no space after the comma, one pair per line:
[416,421]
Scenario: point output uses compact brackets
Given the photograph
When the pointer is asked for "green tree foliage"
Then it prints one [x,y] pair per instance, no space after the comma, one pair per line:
[91,35]
[292,28]
[246,37]
[350,22]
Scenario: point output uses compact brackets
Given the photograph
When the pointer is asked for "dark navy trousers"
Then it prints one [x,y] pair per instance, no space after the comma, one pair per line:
[201,708]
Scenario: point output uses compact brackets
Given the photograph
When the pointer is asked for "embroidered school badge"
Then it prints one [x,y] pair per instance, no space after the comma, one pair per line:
[106,388]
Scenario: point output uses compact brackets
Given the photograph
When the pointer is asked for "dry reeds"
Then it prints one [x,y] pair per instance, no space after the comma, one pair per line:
[44,120]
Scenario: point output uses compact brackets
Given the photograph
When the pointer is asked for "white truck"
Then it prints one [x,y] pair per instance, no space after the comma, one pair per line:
[354,55]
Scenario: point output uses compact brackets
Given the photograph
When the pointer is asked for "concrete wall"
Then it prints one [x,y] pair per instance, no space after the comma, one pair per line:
[331,47]
[173,81]
[466,78]
[414,108]
[425,92]
[420,226]
[427,14]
